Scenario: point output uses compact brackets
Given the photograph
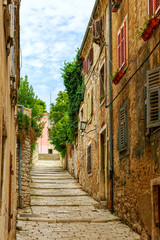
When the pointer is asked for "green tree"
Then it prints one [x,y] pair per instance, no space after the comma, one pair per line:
[64,113]
[74,83]
[58,110]
[61,123]
[28,98]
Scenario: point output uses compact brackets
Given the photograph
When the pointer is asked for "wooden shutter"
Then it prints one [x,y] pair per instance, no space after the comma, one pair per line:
[91,102]
[150,7]
[98,28]
[89,159]
[157,6]
[122,46]
[123,128]
[85,66]
[146,129]
[153,97]
[91,56]
[93,32]
[119,49]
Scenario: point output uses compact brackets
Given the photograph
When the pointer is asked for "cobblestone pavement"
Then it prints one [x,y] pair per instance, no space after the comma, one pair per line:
[60,209]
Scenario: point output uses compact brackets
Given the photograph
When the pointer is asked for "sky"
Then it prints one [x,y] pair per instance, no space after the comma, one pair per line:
[51,31]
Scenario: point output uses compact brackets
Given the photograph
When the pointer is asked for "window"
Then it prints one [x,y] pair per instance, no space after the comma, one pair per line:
[153,98]
[87,63]
[89,158]
[98,30]
[89,104]
[123,144]
[122,46]
[153,7]
[102,84]
[49,151]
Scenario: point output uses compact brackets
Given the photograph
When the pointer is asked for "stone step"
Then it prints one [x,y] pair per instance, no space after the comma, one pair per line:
[53,157]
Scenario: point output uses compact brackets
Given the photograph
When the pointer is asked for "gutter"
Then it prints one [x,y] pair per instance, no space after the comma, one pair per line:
[19,170]
[89,24]
[111,169]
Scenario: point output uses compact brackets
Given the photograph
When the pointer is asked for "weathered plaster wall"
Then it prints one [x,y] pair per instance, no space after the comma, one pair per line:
[8,128]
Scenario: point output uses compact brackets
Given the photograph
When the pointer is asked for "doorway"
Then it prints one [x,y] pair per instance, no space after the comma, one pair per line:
[103,164]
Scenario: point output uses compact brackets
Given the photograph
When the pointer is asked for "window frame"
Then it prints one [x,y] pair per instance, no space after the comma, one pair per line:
[153,87]
[122,44]
[123,148]
[89,158]
[100,83]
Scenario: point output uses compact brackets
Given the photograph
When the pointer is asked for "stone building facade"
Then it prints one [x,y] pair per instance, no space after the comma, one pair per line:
[23,167]
[131,187]
[45,147]
[9,83]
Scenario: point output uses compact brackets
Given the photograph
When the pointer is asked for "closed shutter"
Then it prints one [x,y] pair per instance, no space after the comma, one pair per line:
[153,7]
[89,159]
[153,97]
[122,46]
[85,66]
[91,56]
[93,32]
[123,128]
[98,28]
[91,102]
[119,50]
[146,129]
[150,7]
[157,6]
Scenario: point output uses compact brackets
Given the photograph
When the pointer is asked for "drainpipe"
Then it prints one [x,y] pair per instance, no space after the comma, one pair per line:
[19,173]
[110,108]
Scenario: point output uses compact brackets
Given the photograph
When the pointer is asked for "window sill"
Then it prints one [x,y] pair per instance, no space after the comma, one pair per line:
[124,154]
[155,135]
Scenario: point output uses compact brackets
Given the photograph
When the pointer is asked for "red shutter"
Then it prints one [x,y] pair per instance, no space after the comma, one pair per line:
[125,43]
[157,6]
[119,50]
[122,46]
[85,66]
[91,56]
[150,7]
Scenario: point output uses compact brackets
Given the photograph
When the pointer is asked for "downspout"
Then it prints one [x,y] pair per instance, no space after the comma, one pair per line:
[111,170]
[19,173]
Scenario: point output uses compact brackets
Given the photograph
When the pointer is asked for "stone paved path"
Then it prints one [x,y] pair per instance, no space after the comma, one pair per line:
[61,210]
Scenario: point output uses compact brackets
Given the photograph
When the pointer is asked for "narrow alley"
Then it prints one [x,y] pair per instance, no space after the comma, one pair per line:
[60,209]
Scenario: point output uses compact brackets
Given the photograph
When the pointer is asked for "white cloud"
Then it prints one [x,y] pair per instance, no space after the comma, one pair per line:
[50,33]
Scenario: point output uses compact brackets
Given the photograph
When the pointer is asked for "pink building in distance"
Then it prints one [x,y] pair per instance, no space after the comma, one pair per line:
[43,142]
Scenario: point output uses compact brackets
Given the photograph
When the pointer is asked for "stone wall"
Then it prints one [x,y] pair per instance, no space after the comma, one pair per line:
[25,172]
[135,170]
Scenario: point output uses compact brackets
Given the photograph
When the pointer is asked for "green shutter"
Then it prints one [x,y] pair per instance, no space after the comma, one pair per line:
[153,98]
[123,128]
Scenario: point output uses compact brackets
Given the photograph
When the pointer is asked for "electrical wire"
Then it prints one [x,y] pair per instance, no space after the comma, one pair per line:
[132,76]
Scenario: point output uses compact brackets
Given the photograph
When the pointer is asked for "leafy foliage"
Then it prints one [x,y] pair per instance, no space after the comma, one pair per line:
[64,113]
[60,121]
[74,83]
[32,125]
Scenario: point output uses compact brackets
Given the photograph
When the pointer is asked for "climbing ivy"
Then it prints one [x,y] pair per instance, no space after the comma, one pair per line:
[74,84]
[64,113]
